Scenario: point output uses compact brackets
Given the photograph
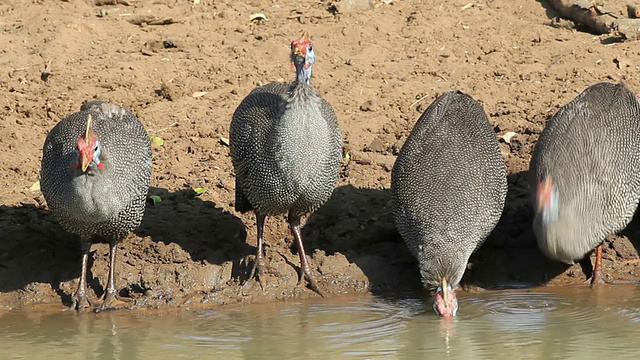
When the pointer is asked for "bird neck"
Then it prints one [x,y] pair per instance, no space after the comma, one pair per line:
[449,265]
[303,73]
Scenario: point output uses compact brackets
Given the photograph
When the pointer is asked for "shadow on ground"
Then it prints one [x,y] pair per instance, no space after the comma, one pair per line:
[358,223]
[183,246]
[510,257]
[207,232]
[34,249]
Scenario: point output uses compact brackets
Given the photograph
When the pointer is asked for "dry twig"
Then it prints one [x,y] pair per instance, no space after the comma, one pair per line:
[152,20]
[113,2]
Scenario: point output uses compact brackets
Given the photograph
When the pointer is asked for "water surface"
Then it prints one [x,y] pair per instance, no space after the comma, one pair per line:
[555,323]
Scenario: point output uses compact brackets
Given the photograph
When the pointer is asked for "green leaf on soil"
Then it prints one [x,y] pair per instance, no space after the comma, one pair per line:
[347,156]
[156,199]
[199,190]
[157,141]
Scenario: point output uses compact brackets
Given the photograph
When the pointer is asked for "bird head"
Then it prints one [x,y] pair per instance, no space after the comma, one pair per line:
[89,149]
[303,57]
[445,302]
[547,199]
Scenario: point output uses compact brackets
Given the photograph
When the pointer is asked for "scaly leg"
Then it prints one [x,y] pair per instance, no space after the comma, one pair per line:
[305,269]
[597,277]
[110,294]
[259,261]
[79,299]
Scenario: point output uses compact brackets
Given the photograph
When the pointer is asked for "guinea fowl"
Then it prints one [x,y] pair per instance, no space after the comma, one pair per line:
[95,175]
[585,173]
[448,187]
[286,149]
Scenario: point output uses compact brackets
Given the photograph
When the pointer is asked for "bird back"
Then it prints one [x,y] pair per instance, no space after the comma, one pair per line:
[448,184]
[591,149]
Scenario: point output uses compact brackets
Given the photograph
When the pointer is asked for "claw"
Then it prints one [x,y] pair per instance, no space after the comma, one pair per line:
[305,273]
[111,301]
[79,302]
[258,264]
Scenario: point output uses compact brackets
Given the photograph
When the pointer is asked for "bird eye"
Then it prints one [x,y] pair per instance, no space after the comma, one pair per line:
[95,148]
[309,48]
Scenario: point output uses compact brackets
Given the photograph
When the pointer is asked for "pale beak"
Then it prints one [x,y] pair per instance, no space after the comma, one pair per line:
[84,162]
[445,290]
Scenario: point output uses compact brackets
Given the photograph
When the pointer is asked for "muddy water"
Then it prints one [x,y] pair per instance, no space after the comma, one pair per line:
[568,323]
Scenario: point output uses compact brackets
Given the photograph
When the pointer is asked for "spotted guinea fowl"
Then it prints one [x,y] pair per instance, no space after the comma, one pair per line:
[585,173]
[448,187]
[286,149]
[95,175]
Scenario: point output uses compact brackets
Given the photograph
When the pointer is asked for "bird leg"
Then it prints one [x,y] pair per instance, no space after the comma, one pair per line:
[110,290]
[597,277]
[259,261]
[79,299]
[111,298]
[305,269]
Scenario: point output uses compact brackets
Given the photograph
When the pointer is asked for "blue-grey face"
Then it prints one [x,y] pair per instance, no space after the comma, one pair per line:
[311,55]
[303,57]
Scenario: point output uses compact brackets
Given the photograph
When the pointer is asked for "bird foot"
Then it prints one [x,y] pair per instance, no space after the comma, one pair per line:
[79,302]
[111,301]
[598,278]
[313,285]
[258,265]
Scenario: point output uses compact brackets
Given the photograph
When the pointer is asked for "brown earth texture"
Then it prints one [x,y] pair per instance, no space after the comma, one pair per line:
[184,71]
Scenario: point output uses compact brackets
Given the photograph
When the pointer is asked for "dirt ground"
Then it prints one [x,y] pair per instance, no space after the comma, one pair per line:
[379,67]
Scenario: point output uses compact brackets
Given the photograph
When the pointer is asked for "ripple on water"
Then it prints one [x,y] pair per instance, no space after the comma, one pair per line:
[361,328]
[515,324]
[376,322]
[527,311]
[632,313]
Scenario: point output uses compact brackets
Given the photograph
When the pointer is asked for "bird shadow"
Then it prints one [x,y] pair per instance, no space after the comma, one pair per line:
[35,249]
[510,257]
[358,223]
[207,232]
